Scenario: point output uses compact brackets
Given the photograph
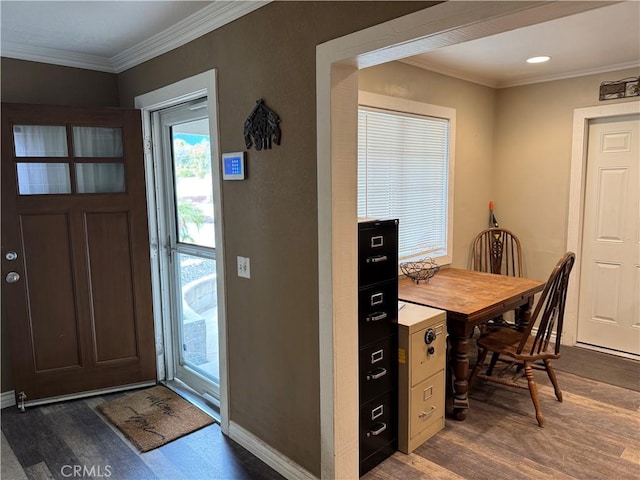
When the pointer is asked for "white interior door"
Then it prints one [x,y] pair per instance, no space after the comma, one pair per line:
[609,312]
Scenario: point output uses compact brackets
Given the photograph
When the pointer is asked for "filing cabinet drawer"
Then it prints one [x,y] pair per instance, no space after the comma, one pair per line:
[427,358]
[377,424]
[377,312]
[377,251]
[421,374]
[427,404]
[376,369]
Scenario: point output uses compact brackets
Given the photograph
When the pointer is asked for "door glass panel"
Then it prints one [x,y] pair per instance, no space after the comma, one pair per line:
[40,140]
[100,177]
[97,142]
[43,178]
[199,314]
[193,183]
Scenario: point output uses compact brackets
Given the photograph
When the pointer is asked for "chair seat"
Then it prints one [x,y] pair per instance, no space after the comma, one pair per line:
[506,341]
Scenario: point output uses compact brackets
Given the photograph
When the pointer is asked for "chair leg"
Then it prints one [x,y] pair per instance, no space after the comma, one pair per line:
[533,391]
[492,364]
[552,376]
[482,355]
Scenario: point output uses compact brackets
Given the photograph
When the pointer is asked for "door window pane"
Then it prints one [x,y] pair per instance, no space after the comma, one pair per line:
[43,178]
[193,183]
[97,142]
[40,140]
[100,177]
[199,314]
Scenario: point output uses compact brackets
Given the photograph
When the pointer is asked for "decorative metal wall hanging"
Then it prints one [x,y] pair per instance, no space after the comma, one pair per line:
[627,87]
[262,127]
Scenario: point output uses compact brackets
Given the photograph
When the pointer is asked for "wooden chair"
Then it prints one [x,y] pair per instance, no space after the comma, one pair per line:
[522,349]
[497,250]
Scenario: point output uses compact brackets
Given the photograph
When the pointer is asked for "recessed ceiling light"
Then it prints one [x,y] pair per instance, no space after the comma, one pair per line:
[541,59]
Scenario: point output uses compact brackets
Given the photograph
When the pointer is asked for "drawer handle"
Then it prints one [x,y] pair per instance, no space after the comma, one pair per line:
[377,259]
[377,356]
[427,414]
[381,427]
[376,316]
[377,373]
[377,241]
[377,299]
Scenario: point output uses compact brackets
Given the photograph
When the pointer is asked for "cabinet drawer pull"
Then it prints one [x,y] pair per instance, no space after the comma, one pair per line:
[377,299]
[377,241]
[381,427]
[377,373]
[377,259]
[374,317]
[377,356]
[427,414]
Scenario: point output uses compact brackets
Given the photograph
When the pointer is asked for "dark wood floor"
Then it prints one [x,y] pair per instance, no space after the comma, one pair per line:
[46,442]
[593,434]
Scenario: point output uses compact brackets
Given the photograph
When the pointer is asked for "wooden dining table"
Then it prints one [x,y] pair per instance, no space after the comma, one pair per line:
[470,299]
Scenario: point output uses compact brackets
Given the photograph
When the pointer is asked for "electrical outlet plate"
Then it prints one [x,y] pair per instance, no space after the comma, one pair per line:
[244,267]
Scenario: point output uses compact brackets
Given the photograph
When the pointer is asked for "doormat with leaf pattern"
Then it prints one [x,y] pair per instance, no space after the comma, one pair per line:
[154,416]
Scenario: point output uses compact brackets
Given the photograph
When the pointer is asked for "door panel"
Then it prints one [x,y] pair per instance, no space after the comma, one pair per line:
[50,292]
[74,212]
[110,267]
[609,302]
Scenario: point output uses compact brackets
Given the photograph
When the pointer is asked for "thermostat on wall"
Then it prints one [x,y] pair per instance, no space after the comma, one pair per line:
[233,166]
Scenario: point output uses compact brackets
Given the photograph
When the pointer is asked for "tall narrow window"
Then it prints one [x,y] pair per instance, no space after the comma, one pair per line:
[404,168]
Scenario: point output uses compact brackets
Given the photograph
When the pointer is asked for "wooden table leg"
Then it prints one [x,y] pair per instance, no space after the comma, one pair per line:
[460,363]
[523,315]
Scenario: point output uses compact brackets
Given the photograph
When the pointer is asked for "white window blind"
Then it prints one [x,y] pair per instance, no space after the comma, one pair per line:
[403,172]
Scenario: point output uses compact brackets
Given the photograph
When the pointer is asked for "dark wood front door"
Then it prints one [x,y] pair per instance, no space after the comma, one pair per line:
[76,282]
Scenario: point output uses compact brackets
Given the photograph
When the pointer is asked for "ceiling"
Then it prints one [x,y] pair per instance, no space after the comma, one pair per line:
[599,40]
[113,36]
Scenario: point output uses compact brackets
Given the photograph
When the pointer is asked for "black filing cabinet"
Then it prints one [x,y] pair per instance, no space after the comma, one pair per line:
[377,340]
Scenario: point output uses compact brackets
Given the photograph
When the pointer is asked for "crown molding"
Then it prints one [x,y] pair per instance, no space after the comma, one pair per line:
[56,57]
[200,23]
[213,16]
[418,62]
[573,74]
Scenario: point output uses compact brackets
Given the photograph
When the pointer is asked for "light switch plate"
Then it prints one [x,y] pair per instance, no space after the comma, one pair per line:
[244,267]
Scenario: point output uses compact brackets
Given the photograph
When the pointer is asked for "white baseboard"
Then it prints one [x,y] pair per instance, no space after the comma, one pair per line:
[276,460]
[7,399]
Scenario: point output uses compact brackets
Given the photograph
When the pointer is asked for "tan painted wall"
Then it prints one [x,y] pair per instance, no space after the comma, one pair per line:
[475,112]
[513,146]
[33,82]
[531,168]
[272,318]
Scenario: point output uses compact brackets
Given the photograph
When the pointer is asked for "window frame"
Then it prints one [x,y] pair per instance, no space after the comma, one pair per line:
[411,107]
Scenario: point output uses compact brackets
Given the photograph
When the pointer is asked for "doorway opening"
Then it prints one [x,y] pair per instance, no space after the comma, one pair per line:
[337,65]
[182,162]
[582,122]
[187,253]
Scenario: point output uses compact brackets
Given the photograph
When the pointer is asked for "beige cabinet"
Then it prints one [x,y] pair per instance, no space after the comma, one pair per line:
[422,357]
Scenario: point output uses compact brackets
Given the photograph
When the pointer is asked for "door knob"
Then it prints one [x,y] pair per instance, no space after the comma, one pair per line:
[11,256]
[13,277]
